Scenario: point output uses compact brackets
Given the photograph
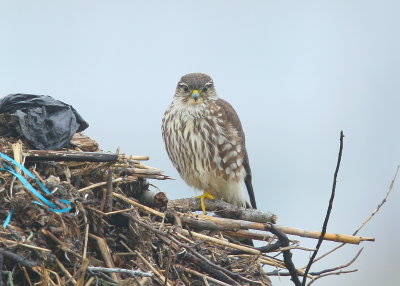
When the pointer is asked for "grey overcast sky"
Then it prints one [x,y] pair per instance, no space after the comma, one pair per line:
[297,72]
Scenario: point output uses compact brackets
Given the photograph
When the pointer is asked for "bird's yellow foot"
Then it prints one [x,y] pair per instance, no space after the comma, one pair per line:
[205,195]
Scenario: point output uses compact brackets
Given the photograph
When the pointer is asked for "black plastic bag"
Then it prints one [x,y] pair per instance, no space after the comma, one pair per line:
[46,123]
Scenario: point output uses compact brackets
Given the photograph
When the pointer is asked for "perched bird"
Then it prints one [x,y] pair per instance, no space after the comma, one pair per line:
[205,142]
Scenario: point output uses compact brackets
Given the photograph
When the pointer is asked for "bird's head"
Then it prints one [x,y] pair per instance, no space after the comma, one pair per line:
[194,88]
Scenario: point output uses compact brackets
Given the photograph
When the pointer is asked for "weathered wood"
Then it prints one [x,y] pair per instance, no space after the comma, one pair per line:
[78,156]
[222,209]
[84,142]
[287,230]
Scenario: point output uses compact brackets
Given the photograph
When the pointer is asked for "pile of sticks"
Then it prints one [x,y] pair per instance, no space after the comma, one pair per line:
[120,231]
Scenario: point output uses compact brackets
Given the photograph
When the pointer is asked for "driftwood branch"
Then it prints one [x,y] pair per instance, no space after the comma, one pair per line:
[45,155]
[226,223]
[72,155]
[222,209]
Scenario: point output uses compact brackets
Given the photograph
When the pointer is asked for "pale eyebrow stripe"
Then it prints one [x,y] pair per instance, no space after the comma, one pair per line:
[183,84]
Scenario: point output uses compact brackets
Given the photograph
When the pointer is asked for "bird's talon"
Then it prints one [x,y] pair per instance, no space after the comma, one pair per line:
[205,195]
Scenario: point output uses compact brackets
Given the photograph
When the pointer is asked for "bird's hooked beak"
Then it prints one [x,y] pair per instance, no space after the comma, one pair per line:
[195,94]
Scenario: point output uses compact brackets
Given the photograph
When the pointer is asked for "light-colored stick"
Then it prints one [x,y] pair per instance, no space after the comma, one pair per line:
[27,276]
[250,235]
[121,270]
[17,153]
[220,242]
[66,272]
[136,204]
[105,252]
[118,211]
[85,243]
[83,270]
[90,281]
[328,236]
[148,264]
[290,230]
[134,157]
[24,245]
[198,274]
[99,185]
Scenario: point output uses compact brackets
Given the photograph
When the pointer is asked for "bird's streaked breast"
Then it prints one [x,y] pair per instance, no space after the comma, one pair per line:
[202,148]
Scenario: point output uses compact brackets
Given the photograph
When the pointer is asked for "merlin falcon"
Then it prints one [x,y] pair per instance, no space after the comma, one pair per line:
[206,143]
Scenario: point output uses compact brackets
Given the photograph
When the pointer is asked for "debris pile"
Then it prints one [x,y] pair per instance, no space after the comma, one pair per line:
[117,231]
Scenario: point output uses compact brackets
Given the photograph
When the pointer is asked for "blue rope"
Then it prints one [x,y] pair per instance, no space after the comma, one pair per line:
[7,221]
[42,201]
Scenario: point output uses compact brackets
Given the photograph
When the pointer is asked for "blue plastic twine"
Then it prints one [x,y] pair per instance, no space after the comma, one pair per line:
[42,201]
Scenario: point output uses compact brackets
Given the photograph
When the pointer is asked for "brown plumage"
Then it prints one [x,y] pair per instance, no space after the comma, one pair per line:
[205,141]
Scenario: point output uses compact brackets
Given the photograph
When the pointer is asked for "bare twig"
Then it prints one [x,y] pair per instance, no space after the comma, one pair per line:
[99,185]
[381,203]
[66,272]
[332,273]
[109,198]
[121,270]
[315,275]
[198,274]
[206,267]
[136,204]
[369,218]
[24,244]
[328,212]
[148,264]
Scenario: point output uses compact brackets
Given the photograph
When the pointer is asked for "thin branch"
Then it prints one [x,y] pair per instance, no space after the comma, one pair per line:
[368,219]
[381,204]
[332,273]
[198,274]
[340,267]
[121,270]
[328,211]
[109,198]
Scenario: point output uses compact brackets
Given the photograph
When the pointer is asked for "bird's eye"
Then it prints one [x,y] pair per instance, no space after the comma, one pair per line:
[185,87]
[207,86]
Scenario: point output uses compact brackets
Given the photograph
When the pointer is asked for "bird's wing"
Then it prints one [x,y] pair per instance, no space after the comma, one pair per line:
[233,119]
